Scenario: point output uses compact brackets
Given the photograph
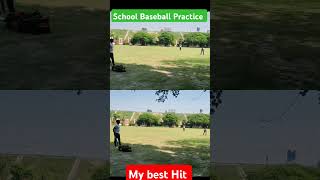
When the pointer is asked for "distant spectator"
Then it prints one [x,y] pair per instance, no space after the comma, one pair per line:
[202,51]
[204,131]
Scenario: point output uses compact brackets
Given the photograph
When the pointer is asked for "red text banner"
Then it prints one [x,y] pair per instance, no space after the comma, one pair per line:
[158,172]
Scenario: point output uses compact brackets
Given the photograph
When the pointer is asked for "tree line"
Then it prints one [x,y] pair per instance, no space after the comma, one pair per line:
[192,39]
[171,120]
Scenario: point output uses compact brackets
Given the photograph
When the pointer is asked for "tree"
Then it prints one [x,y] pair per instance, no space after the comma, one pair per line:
[116,116]
[18,172]
[148,119]
[166,38]
[215,100]
[163,94]
[198,120]
[142,38]
[170,119]
[197,39]
[215,97]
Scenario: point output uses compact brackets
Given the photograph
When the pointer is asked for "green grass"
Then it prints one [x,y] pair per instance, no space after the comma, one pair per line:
[290,172]
[262,172]
[5,163]
[228,172]
[87,168]
[160,145]
[266,44]
[71,57]
[50,167]
[154,67]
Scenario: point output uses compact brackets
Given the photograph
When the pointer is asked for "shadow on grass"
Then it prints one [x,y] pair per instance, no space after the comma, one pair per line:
[259,45]
[282,172]
[52,168]
[264,172]
[226,172]
[192,152]
[71,57]
[176,74]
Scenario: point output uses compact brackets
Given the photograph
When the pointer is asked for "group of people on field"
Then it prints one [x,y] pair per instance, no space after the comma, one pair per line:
[112,47]
[204,130]
[201,52]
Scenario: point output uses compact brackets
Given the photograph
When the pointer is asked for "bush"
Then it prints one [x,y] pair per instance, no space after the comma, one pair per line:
[166,38]
[197,39]
[142,38]
[198,120]
[148,119]
[115,116]
[170,119]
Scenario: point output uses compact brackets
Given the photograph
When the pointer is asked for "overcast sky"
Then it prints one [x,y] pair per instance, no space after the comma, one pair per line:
[252,124]
[54,123]
[186,102]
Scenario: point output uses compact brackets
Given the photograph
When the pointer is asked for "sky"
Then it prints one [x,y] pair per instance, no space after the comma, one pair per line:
[186,102]
[157,26]
[252,124]
[54,123]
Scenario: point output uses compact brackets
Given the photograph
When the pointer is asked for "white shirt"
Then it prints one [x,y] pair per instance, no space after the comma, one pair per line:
[111,47]
[117,128]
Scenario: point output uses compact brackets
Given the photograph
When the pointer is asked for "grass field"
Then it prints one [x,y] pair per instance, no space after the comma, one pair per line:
[154,67]
[48,167]
[71,57]
[263,172]
[160,145]
[266,44]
